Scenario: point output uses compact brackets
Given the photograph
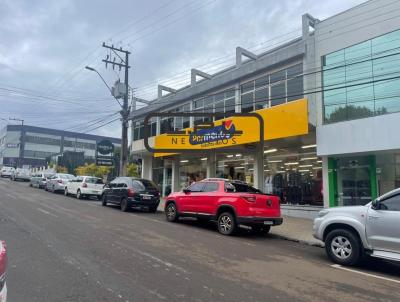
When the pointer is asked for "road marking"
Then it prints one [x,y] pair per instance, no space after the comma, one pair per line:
[338,266]
[11,196]
[46,212]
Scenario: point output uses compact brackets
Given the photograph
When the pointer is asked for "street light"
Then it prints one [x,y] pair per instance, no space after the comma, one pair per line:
[124,114]
[105,83]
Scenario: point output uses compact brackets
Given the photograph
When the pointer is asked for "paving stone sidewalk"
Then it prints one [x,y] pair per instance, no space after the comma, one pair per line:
[294,229]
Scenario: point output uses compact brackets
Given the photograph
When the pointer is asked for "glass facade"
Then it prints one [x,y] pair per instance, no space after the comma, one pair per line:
[191,170]
[294,174]
[362,80]
[274,89]
[236,166]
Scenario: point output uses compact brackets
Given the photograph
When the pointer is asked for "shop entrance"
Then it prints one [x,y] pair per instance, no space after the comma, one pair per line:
[354,186]
[355,182]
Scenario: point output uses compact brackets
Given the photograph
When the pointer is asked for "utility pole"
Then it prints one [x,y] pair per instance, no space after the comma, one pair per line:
[21,142]
[124,63]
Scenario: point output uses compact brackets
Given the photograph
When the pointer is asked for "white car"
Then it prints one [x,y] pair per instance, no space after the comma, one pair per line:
[6,171]
[57,182]
[85,186]
[21,174]
[351,232]
[3,268]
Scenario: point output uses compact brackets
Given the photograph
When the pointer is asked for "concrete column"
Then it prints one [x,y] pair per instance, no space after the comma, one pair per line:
[175,175]
[211,164]
[259,168]
[147,166]
[325,181]
[238,106]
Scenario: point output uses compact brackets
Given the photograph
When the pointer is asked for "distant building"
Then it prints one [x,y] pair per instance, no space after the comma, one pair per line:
[32,146]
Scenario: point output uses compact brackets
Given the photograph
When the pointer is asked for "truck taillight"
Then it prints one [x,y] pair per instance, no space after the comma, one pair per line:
[249,198]
[131,192]
[84,185]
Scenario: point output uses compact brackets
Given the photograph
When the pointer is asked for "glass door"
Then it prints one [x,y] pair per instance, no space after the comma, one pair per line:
[354,185]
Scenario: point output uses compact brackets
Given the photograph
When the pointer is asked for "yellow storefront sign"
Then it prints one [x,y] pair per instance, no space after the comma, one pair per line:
[289,119]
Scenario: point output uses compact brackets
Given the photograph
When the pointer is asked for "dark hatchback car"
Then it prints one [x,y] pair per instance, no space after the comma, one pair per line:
[129,192]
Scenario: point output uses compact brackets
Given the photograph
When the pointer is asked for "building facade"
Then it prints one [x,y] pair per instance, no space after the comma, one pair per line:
[344,68]
[358,53]
[32,146]
[283,162]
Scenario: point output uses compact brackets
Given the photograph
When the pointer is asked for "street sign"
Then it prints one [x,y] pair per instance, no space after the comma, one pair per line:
[104,162]
[105,147]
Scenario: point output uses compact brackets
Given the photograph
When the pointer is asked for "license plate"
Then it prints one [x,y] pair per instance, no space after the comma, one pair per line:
[268,222]
[147,197]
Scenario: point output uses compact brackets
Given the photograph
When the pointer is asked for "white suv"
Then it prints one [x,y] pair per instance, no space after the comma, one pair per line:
[85,186]
[351,232]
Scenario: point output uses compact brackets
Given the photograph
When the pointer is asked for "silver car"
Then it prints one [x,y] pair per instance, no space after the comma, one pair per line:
[58,181]
[351,232]
[21,174]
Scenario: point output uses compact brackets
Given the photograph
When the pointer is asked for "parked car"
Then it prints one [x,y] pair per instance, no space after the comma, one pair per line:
[129,192]
[353,231]
[230,203]
[6,171]
[20,174]
[39,180]
[85,186]
[3,268]
[58,181]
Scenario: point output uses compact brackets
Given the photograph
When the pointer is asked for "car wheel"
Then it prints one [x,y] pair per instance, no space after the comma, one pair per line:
[30,185]
[104,200]
[343,247]
[226,223]
[124,205]
[261,229]
[78,194]
[171,213]
[66,191]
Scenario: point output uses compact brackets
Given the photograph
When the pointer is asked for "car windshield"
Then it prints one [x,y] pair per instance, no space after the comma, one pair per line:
[94,180]
[242,187]
[66,176]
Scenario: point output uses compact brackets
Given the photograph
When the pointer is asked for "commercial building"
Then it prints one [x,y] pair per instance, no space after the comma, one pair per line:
[358,52]
[32,146]
[282,162]
[329,101]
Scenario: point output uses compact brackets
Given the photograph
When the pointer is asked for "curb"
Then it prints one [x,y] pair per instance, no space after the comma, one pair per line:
[305,242]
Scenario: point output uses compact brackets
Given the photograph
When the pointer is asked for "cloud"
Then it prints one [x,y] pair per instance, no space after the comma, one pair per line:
[46,44]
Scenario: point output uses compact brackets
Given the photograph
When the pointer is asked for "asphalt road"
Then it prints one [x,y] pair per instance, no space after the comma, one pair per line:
[64,249]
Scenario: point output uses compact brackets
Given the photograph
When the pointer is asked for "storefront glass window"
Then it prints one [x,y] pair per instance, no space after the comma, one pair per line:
[191,170]
[162,175]
[294,175]
[354,79]
[235,166]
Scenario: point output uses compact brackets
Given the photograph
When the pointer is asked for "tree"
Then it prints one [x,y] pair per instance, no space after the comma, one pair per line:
[132,170]
[93,170]
[61,169]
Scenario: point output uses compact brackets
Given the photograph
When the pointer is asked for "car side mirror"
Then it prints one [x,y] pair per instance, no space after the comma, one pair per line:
[186,191]
[375,204]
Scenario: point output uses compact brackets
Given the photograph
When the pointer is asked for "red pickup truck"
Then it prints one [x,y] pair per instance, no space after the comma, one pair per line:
[230,203]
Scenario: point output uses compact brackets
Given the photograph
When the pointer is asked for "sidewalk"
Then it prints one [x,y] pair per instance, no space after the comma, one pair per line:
[296,229]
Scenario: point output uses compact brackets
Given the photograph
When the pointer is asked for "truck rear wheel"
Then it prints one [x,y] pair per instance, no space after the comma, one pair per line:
[227,223]
[343,247]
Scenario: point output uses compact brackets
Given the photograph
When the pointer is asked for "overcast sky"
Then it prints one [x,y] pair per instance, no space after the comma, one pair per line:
[45,45]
